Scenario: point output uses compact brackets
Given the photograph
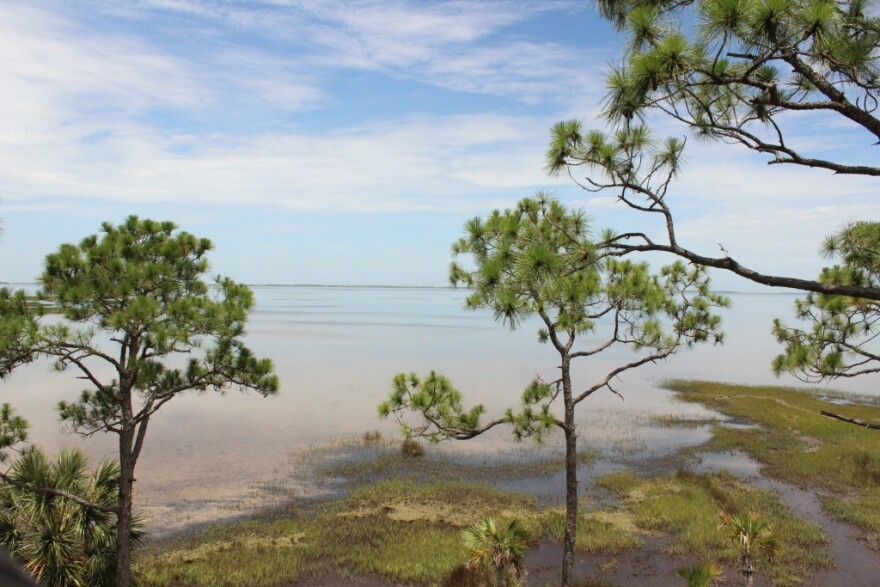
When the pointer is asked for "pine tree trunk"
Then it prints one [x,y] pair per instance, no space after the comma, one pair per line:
[571,507]
[571,490]
[123,523]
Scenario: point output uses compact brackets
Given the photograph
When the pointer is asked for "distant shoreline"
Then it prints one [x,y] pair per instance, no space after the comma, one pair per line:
[437,287]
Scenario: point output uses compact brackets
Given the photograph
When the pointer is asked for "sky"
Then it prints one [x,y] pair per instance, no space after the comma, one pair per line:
[348,142]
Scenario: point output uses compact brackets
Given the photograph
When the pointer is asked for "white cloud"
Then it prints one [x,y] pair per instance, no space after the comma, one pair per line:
[407,164]
[84,118]
[734,176]
[594,203]
[50,67]
[257,79]
[92,113]
[452,45]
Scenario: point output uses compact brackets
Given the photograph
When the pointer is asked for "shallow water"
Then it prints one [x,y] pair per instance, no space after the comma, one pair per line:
[336,350]
[856,565]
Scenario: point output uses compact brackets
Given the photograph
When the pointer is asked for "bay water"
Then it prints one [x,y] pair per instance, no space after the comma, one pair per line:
[336,350]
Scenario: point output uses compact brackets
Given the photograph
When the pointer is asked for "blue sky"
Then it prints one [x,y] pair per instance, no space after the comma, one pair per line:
[348,142]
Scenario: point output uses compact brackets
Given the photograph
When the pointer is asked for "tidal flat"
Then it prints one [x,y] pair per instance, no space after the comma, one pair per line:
[210,457]
[396,519]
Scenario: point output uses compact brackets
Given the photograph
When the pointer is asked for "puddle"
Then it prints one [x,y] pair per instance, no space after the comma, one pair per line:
[734,462]
[649,565]
[856,564]
[550,490]
[741,426]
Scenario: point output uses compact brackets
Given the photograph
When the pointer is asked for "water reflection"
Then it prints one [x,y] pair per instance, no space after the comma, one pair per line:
[336,350]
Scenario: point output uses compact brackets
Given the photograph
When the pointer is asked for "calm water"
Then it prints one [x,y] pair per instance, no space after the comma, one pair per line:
[336,350]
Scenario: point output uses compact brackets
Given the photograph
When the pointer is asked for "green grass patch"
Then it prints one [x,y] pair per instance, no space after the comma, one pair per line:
[620,483]
[378,460]
[798,445]
[862,510]
[685,506]
[403,530]
[603,531]
[673,421]
[232,554]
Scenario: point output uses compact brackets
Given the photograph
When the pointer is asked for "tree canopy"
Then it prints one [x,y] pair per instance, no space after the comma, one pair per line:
[841,340]
[134,300]
[734,71]
[746,64]
[744,72]
[539,260]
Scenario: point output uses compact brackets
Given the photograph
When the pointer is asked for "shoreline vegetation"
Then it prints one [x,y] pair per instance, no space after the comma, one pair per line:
[400,522]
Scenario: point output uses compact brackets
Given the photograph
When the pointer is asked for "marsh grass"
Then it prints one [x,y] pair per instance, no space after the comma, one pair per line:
[403,530]
[412,449]
[402,517]
[862,510]
[372,437]
[685,506]
[605,532]
[796,444]
[330,468]
[382,460]
[675,421]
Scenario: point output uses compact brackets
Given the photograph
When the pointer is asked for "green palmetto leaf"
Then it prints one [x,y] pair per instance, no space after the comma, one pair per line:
[752,536]
[61,543]
[496,547]
[700,575]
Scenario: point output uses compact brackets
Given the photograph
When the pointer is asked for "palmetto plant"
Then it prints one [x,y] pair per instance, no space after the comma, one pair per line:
[700,575]
[61,543]
[752,535]
[500,549]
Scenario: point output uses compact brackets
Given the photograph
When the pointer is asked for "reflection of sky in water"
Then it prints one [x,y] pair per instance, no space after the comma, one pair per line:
[336,350]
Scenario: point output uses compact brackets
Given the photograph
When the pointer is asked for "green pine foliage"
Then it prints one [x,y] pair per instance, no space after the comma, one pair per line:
[841,340]
[539,260]
[134,298]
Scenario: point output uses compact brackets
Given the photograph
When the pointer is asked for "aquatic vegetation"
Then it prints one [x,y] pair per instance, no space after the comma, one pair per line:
[752,536]
[700,575]
[835,456]
[494,546]
[402,530]
[685,506]
[412,448]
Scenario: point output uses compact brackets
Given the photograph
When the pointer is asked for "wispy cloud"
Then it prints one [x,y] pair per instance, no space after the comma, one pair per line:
[51,66]
[404,164]
[94,112]
[453,45]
